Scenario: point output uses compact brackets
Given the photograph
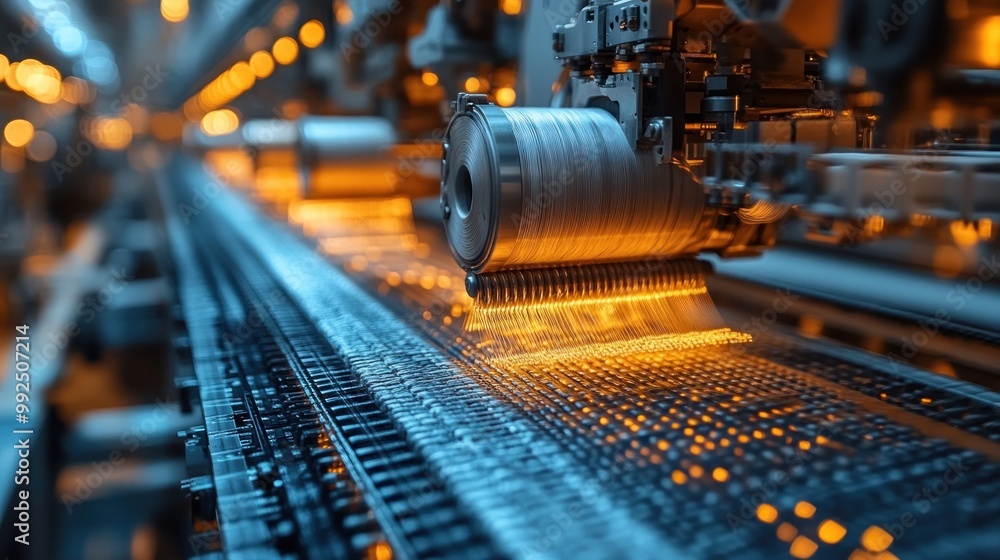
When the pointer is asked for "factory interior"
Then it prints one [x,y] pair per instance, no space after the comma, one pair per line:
[520,279]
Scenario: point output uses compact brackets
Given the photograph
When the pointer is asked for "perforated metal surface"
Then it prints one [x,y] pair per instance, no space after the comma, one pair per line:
[655,456]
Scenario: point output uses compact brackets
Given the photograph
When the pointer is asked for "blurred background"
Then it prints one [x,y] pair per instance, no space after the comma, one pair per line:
[198,198]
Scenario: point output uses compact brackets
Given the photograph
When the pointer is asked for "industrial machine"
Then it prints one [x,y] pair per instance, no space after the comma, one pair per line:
[714,121]
[547,279]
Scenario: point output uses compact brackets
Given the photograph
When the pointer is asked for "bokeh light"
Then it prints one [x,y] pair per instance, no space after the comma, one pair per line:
[174,11]
[285,50]
[18,132]
[311,34]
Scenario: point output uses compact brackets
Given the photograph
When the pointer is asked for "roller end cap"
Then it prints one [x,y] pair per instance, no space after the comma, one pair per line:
[471,284]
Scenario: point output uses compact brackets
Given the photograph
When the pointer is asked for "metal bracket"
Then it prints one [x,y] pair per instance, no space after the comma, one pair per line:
[660,132]
[465,102]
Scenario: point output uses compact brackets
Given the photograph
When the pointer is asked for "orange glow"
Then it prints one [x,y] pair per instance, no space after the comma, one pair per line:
[137,117]
[989,42]
[359,179]
[242,76]
[346,225]
[672,313]
[811,326]
[45,89]
[311,34]
[964,233]
[10,75]
[510,7]
[805,510]
[720,474]
[787,532]
[278,185]
[77,91]
[986,229]
[947,261]
[217,123]
[18,133]
[506,96]
[11,159]
[40,81]
[285,50]
[429,78]
[942,115]
[292,109]
[229,85]
[262,64]
[803,547]
[679,477]
[26,69]
[174,11]
[767,513]
[472,84]
[380,551]
[110,133]
[876,539]
[343,13]
[4,64]
[166,126]
[192,109]
[831,532]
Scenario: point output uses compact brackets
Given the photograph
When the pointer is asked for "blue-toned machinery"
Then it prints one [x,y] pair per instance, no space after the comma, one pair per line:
[516,279]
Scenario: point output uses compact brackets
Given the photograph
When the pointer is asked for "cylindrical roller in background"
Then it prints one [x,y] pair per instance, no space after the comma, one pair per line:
[546,187]
[356,157]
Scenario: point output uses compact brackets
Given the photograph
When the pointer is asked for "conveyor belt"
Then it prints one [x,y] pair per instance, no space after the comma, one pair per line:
[384,407]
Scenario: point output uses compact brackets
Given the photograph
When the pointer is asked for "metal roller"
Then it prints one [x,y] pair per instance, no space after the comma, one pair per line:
[545,187]
[344,139]
[351,157]
[571,236]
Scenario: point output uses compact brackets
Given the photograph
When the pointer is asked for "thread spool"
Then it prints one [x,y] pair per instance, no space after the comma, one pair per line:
[570,237]
[544,187]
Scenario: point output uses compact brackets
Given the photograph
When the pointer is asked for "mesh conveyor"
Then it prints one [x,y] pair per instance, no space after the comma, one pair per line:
[345,415]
